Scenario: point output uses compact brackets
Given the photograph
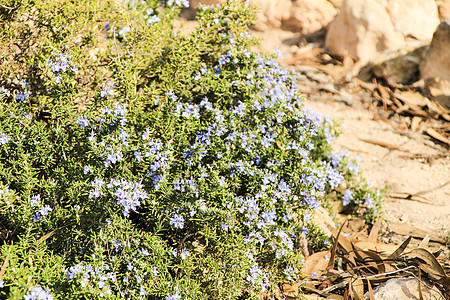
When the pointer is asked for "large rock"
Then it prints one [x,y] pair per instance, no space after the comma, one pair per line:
[416,18]
[336,3]
[444,10]
[363,30]
[436,62]
[308,16]
[404,289]
[435,67]
[271,14]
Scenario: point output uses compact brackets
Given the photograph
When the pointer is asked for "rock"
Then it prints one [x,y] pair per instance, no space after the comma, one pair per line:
[271,13]
[444,10]
[439,91]
[308,16]
[363,30]
[404,289]
[436,62]
[435,66]
[416,18]
[336,3]
[401,66]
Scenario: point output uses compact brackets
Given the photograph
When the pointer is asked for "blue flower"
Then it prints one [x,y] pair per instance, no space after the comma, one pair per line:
[288,271]
[83,121]
[5,91]
[185,3]
[107,91]
[184,253]
[124,30]
[177,221]
[369,201]
[347,197]
[153,19]
[37,293]
[35,200]
[175,296]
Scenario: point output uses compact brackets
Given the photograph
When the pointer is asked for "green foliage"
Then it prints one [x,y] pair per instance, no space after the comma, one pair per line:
[137,162]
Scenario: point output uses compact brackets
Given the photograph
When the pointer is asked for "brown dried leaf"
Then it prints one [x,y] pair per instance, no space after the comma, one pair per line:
[412,98]
[290,290]
[384,96]
[323,221]
[413,197]
[424,242]
[377,247]
[400,249]
[373,235]
[317,263]
[346,245]
[333,249]
[433,133]
[377,262]
[357,289]
[338,285]
[429,259]
[369,287]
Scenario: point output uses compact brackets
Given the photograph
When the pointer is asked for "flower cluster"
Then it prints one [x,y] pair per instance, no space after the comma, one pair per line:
[184,3]
[38,293]
[4,139]
[59,64]
[44,209]
[94,278]
[128,194]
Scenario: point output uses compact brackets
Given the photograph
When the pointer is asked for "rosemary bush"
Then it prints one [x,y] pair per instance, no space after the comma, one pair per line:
[140,163]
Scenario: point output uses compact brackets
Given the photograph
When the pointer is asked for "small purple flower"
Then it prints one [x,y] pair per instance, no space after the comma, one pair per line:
[45,210]
[224,226]
[222,181]
[107,91]
[185,3]
[369,201]
[35,200]
[86,169]
[21,96]
[37,293]
[177,221]
[184,253]
[175,296]
[83,121]
[304,231]
[5,91]
[347,197]
[37,217]
[153,19]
